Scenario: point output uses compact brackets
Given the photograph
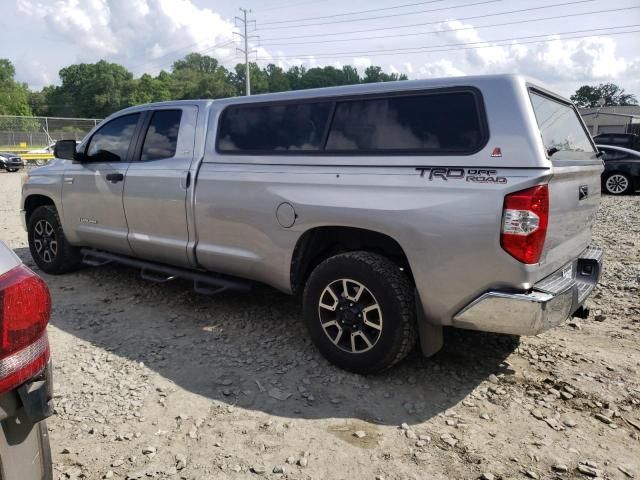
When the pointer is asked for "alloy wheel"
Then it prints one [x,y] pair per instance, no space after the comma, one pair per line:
[350,316]
[617,183]
[45,241]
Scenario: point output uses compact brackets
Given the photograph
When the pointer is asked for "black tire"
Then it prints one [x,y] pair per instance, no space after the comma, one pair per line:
[617,183]
[12,170]
[394,320]
[43,229]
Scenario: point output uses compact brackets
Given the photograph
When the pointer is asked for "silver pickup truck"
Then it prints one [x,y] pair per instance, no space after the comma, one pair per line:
[393,209]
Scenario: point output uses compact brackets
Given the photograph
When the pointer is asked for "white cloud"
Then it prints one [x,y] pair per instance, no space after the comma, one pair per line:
[465,33]
[554,60]
[34,73]
[592,58]
[362,62]
[139,32]
[440,68]
[148,35]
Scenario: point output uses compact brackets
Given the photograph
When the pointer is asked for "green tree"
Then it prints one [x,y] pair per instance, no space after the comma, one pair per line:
[350,75]
[197,62]
[98,89]
[375,74]
[277,78]
[7,71]
[14,96]
[38,101]
[258,77]
[323,77]
[588,96]
[92,90]
[200,76]
[148,89]
[295,75]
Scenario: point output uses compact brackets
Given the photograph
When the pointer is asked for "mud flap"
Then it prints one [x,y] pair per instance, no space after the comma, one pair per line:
[430,335]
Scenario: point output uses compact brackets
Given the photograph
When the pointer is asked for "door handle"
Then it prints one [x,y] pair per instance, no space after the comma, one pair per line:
[115,177]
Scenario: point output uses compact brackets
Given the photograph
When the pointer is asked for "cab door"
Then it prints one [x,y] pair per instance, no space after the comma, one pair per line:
[93,213]
[157,185]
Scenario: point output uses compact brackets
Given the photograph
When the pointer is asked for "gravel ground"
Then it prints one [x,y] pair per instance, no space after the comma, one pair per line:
[156,381]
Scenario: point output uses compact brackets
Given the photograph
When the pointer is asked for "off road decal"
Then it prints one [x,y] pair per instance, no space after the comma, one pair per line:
[473,175]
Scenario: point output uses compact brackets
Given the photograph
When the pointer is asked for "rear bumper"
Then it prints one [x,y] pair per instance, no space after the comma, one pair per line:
[25,453]
[549,303]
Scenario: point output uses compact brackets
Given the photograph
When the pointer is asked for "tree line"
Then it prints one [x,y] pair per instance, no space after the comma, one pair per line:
[95,90]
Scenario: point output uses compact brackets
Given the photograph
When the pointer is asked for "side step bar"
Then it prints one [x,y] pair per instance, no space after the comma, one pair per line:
[203,282]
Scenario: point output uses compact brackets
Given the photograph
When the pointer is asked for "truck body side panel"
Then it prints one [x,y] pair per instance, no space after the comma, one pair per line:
[449,230]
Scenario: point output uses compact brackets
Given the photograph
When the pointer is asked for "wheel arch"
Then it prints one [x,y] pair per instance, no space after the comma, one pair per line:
[319,243]
[34,201]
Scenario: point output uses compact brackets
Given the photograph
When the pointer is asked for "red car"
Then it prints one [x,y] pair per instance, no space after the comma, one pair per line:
[25,372]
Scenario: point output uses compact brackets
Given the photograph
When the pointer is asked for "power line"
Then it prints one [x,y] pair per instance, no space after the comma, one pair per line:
[155,63]
[484,2]
[170,63]
[226,59]
[475,17]
[397,35]
[436,48]
[352,13]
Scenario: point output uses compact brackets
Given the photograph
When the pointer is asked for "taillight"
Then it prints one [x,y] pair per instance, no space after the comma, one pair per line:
[25,307]
[525,216]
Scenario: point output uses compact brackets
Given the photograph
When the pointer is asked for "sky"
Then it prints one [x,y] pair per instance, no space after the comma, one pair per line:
[564,43]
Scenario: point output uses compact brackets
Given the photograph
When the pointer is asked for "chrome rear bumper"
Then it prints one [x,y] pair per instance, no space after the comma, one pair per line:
[549,303]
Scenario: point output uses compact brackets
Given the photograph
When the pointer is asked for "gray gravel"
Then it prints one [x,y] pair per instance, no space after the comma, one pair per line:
[154,381]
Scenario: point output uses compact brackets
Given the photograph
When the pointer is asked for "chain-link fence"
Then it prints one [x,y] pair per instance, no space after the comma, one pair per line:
[37,132]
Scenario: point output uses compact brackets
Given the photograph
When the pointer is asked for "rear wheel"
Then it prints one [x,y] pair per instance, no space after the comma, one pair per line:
[360,311]
[48,245]
[617,184]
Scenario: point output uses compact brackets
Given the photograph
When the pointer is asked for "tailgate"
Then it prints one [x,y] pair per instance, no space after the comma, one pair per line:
[574,188]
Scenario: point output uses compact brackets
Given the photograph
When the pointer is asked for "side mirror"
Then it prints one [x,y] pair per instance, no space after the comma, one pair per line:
[65,149]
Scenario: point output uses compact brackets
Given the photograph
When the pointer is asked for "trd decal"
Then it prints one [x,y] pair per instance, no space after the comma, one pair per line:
[443,173]
[474,175]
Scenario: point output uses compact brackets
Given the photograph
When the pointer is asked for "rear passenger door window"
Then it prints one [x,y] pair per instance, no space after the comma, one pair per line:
[437,123]
[287,127]
[111,142]
[161,137]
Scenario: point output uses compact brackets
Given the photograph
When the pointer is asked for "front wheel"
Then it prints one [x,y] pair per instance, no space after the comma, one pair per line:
[359,308]
[47,243]
[617,184]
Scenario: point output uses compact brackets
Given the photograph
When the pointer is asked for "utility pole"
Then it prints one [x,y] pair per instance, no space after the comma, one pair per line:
[245,37]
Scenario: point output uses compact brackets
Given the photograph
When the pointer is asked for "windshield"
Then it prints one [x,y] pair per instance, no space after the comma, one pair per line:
[562,133]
